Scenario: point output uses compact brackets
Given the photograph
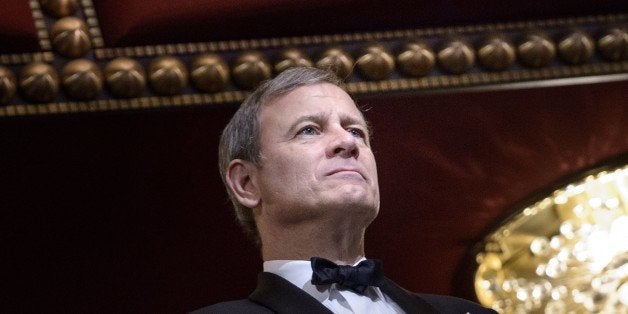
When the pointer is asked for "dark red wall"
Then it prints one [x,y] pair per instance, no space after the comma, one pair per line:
[124,212]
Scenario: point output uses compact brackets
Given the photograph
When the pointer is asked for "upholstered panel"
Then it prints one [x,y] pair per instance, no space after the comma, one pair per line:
[452,165]
[17,28]
[133,23]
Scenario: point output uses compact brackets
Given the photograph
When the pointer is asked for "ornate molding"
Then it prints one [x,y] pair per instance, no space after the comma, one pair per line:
[95,77]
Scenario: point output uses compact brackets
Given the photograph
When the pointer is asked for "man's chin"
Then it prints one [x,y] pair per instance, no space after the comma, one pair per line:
[352,187]
[351,197]
[355,200]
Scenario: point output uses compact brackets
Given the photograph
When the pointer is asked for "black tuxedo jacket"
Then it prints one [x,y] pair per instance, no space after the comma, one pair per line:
[277,295]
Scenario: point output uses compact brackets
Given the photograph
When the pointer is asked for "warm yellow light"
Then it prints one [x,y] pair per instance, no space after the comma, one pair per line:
[567,253]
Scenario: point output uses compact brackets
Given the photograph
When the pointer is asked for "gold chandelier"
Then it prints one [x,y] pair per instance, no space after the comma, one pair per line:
[566,253]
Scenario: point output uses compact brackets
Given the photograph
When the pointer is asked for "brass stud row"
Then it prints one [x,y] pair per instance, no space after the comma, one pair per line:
[82,79]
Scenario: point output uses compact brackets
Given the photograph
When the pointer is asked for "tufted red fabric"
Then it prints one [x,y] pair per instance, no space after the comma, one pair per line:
[17,28]
[451,166]
[132,23]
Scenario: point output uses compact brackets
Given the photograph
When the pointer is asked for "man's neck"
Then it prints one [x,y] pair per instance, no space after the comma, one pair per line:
[342,245]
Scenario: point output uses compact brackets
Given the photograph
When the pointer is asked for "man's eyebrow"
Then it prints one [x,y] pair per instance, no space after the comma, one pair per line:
[361,121]
[347,118]
[311,117]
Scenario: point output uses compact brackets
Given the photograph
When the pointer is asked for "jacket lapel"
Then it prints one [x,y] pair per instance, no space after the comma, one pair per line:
[409,302]
[282,296]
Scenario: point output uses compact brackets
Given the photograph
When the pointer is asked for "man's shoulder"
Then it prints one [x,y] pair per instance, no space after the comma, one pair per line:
[237,306]
[432,303]
[449,304]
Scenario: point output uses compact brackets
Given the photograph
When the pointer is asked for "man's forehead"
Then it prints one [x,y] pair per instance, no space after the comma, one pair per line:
[314,99]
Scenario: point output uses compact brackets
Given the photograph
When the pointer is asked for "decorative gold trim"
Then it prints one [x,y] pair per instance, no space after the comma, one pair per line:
[617,72]
[70,37]
[334,39]
[375,62]
[39,82]
[209,73]
[480,79]
[40,25]
[450,58]
[123,104]
[82,79]
[23,58]
[92,23]
[125,77]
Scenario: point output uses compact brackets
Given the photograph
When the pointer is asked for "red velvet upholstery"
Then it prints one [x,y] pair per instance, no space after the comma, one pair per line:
[132,23]
[17,29]
[452,165]
[125,213]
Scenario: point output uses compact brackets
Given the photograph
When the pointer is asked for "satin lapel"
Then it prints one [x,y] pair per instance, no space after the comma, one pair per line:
[282,296]
[408,301]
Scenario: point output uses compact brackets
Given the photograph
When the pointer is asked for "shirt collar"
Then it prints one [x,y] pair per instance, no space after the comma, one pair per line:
[299,273]
[295,271]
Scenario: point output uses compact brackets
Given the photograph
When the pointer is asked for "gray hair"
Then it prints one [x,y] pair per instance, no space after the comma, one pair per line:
[240,138]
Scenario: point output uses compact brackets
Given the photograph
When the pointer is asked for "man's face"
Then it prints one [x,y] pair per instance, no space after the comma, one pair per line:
[316,159]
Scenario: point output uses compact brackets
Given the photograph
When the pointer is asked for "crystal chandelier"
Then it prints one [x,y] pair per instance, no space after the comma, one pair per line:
[566,253]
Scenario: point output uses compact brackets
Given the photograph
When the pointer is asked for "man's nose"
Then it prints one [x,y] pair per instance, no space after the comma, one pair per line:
[342,144]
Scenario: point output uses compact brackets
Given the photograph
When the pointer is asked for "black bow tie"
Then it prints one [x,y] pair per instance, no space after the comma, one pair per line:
[357,278]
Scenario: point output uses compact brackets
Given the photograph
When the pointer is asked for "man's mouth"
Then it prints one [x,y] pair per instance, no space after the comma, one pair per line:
[347,172]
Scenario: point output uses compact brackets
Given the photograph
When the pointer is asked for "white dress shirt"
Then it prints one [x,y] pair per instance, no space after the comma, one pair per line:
[299,273]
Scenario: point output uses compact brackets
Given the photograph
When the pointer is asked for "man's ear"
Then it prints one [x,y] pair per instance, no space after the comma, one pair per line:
[241,179]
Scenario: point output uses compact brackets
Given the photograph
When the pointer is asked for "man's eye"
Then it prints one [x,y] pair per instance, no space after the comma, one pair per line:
[357,132]
[308,130]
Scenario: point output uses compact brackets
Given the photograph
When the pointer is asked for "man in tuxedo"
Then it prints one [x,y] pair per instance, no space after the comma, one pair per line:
[297,162]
